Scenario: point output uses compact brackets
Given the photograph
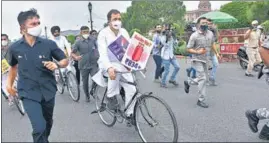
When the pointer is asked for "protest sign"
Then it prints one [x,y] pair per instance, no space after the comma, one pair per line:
[118,47]
[5,66]
[137,53]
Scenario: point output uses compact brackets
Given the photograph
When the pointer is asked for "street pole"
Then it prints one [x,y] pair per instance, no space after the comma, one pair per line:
[90,10]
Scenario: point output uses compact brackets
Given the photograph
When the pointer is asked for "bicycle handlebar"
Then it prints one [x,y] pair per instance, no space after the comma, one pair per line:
[134,71]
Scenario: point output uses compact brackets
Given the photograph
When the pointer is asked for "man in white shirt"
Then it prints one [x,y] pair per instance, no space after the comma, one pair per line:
[109,63]
[168,58]
[61,41]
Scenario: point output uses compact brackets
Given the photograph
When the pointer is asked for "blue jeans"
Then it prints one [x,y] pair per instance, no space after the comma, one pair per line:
[215,64]
[166,64]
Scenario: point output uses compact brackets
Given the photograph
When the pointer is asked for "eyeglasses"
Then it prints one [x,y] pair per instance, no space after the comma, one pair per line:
[3,39]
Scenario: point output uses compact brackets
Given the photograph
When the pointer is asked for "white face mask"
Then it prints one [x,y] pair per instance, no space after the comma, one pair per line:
[35,31]
[4,43]
[85,36]
[116,24]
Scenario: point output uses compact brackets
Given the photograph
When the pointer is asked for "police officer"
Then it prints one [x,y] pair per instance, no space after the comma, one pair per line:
[87,58]
[32,57]
[252,36]
[262,113]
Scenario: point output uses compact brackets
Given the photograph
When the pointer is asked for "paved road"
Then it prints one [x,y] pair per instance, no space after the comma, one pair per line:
[224,121]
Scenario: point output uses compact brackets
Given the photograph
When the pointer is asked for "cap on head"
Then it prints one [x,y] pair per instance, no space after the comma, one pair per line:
[254,22]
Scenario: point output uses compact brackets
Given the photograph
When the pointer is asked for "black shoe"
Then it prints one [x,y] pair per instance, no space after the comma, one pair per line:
[253,120]
[130,121]
[88,99]
[202,104]
[264,134]
[249,75]
[260,74]
[112,103]
[173,82]
[186,86]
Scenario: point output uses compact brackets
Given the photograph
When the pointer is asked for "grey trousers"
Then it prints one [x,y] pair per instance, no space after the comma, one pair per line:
[263,113]
[85,73]
[201,74]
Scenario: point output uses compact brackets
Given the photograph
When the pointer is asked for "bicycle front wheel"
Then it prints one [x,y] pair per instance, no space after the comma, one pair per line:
[19,105]
[72,86]
[155,121]
[60,81]
[107,117]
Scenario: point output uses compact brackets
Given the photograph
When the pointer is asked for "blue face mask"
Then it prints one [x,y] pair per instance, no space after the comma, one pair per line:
[57,38]
[203,27]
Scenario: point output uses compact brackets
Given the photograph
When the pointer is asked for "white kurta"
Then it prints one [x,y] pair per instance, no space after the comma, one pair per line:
[105,38]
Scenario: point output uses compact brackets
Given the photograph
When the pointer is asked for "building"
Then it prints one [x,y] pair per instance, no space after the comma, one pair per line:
[203,7]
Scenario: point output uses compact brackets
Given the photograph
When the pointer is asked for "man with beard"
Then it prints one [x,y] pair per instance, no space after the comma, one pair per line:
[157,46]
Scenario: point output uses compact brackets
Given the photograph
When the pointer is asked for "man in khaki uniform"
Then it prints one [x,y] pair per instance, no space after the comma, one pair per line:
[253,36]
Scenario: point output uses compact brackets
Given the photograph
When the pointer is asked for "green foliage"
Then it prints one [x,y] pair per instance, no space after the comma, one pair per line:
[71,39]
[265,25]
[134,30]
[239,10]
[179,29]
[258,11]
[181,49]
[144,15]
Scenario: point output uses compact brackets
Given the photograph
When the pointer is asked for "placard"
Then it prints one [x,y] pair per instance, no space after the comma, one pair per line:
[137,53]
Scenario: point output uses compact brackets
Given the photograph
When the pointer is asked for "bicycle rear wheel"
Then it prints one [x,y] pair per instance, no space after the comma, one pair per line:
[155,121]
[107,117]
[72,86]
[19,105]
[60,81]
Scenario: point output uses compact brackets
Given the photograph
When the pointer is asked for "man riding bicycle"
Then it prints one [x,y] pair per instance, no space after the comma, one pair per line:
[62,43]
[111,64]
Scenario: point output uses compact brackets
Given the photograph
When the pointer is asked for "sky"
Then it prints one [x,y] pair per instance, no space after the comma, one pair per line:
[69,15]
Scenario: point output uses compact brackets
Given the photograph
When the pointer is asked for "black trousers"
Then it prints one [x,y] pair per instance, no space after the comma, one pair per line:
[159,69]
[77,72]
[41,117]
[86,73]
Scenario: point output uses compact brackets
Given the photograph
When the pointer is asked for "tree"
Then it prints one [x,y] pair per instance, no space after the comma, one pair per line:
[71,39]
[144,15]
[134,30]
[265,26]
[259,11]
[238,10]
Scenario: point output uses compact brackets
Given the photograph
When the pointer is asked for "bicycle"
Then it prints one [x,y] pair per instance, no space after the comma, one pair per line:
[67,78]
[141,111]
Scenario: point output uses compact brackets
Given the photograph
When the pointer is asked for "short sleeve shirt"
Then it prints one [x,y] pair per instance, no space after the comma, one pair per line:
[201,40]
[87,48]
[35,82]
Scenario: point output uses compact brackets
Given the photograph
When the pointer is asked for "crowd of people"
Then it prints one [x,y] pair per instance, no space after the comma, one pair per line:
[32,58]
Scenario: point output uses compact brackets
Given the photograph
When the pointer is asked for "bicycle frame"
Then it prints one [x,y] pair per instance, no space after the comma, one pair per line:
[134,84]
